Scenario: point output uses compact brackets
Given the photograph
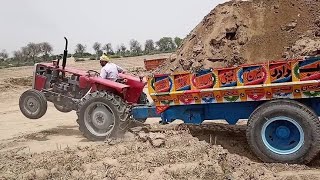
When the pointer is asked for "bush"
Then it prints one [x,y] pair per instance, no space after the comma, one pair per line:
[84,55]
[78,59]
[115,56]
[92,58]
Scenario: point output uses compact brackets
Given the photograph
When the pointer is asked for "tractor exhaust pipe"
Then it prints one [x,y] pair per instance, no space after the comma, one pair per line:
[65,54]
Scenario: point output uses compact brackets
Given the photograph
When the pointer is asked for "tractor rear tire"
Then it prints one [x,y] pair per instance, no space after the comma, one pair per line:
[284,131]
[103,115]
[63,109]
[33,104]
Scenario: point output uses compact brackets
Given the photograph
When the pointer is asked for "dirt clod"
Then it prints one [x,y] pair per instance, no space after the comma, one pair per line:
[289,27]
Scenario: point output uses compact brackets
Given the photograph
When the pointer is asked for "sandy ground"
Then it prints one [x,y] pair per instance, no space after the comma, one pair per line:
[53,147]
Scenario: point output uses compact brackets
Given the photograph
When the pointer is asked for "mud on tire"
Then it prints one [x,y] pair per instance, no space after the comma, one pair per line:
[284,131]
[33,104]
[102,115]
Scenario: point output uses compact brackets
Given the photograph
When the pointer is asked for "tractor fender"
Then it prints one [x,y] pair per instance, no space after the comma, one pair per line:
[108,84]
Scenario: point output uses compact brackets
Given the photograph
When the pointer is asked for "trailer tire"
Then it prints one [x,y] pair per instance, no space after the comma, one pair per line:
[100,111]
[284,131]
[33,104]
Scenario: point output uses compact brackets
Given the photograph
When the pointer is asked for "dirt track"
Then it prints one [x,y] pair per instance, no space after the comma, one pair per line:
[53,147]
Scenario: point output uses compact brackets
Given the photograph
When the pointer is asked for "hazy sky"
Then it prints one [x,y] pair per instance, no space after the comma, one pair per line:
[88,21]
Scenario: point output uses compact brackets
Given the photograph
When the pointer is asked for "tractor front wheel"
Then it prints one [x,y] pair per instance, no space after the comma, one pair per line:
[33,104]
[103,115]
[284,131]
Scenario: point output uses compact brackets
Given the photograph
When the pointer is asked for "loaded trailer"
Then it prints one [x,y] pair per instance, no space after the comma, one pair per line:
[280,99]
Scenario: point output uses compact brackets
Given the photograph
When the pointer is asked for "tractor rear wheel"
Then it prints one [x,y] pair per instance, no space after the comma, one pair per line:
[102,115]
[33,104]
[284,131]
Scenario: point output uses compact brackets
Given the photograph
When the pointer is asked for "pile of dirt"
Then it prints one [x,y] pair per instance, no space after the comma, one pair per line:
[238,32]
[13,83]
[137,71]
[23,81]
[180,156]
[5,87]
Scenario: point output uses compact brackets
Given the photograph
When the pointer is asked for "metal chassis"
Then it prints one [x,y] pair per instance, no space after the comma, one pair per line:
[196,114]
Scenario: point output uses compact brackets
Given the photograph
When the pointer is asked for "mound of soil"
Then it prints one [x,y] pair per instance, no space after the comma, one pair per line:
[23,81]
[238,32]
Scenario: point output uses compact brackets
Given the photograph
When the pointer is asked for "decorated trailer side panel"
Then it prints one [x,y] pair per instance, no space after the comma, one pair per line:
[151,64]
[294,79]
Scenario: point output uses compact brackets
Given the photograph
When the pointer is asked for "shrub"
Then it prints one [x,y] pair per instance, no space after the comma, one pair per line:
[115,56]
[92,58]
[78,59]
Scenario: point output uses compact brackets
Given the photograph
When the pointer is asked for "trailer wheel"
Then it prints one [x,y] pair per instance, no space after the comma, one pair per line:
[284,131]
[33,104]
[102,115]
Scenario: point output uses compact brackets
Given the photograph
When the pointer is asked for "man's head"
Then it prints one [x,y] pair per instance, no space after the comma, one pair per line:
[104,59]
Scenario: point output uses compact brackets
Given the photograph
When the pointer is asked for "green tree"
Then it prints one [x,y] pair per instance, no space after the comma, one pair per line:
[18,56]
[3,54]
[149,46]
[108,48]
[96,47]
[46,49]
[135,47]
[178,41]
[118,50]
[123,49]
[80,49]
[34,50]
[25,53]
[166,44]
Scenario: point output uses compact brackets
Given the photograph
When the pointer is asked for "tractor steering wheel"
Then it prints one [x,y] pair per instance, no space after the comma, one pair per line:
[96,73]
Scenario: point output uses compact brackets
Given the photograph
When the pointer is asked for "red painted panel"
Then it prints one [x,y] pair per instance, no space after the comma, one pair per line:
[40,82]
[227,77]
[254,75]
[153,63]
[135,87]
[83,82]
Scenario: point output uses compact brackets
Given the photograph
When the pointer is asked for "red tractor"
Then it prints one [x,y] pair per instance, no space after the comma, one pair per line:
[103,106]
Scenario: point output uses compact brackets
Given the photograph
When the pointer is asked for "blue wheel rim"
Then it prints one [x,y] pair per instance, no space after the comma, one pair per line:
[282,135]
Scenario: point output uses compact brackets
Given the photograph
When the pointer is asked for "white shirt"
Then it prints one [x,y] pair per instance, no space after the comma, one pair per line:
[110,71]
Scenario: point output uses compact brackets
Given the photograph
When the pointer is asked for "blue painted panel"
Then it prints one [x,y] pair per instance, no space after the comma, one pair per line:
[190,114]
[231,112]
[316,105]
[313,103]
[141,113]
[196,114]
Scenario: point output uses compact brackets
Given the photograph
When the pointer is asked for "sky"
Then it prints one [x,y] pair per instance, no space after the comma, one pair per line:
[104,21]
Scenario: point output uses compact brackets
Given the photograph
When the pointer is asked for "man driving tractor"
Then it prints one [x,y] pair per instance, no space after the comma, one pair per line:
[109,70]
